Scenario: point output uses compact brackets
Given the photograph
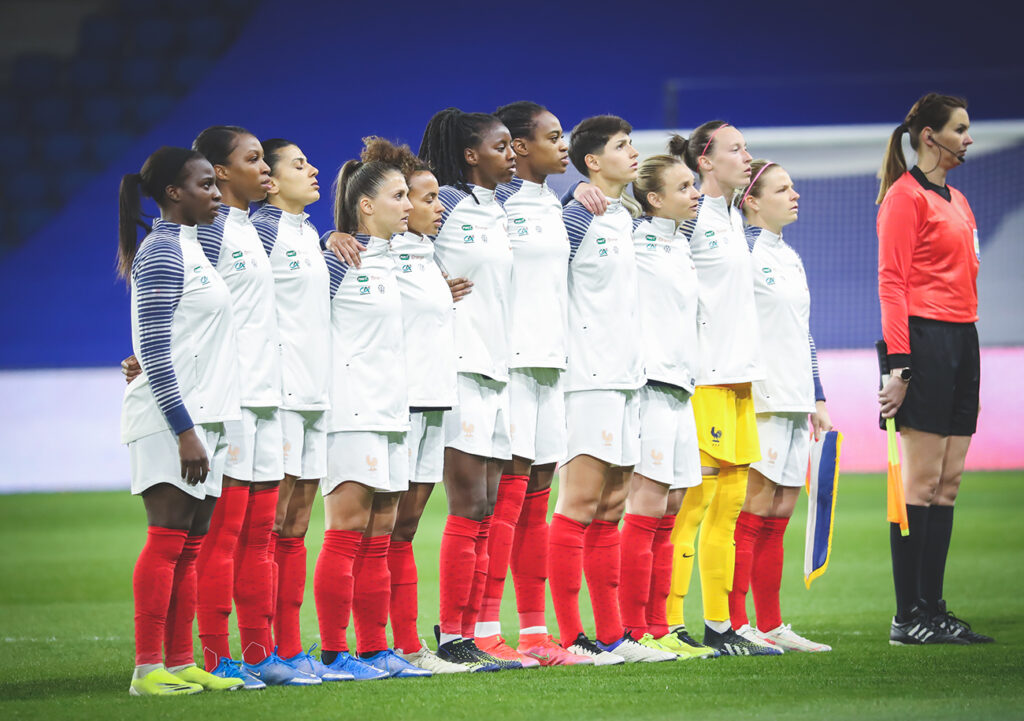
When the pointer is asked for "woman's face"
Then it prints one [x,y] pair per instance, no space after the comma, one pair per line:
[777,204]
[387,213]
[728,161]
[954,137]
[492,162]
[294,178]
[618,160]
[678,198]
[425,216]
[246,171]
[547,148]
[198,197]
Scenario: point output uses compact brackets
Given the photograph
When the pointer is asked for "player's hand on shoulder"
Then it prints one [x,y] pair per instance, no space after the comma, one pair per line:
[345,248]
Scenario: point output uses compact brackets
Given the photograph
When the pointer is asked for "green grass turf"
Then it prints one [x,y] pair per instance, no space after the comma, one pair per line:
[66,631]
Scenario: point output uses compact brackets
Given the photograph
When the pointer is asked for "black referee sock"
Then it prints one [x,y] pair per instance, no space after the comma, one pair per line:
[933,562]
[907,560]
[328,657]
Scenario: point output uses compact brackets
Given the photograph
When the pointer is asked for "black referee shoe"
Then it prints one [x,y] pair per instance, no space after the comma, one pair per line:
[920,630]
[957,627]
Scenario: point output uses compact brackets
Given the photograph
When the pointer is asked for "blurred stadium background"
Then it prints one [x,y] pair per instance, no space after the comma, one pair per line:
[89,88]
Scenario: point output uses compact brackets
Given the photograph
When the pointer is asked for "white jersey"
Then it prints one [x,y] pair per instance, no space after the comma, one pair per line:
[429,322]
[727,327]
[368,386]
[235,250]
[668,302]
[783,308]
[604,311]
[303,301]
[182,336]
[473,243]
[540,289]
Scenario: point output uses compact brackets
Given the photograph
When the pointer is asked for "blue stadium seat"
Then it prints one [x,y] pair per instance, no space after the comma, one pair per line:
[49,112]
[62,150]
[29,189]
[108,146]
[140,73]
[71,180]
[205,36]
[30,219]
[88,75]
[17,154]
[101,36]
[10,114]
[101,112]
[151,108]
[156,35]
[33,73]
[190,70]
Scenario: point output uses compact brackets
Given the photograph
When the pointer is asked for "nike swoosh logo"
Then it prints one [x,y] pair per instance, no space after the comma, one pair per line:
[257,674]
[537,656]
[687,555]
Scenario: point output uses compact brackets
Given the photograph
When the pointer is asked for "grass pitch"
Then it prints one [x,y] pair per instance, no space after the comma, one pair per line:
[66,631]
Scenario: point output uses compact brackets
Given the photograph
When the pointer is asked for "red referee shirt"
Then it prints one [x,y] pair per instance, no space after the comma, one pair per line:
[927,259]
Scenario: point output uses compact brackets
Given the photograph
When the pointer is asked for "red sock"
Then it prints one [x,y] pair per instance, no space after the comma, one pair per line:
[215,573]
[152,583]
[332,587]
[636,553]
[372,595]
[766,576]
[254,576]
[181,614]
[476,595]
[661,578]
[272,557]
[565,564]
[529,560]
[601,565]
[748,526]
[291,587]
[511,493]
[458,564]
[404,607]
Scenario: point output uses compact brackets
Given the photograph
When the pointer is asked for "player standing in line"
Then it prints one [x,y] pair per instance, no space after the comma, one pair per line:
[303,303]
[235,558]
[537,358]
[172,417]
[728,340]
[665,196]
[367,457]
[928,256]
[790,391]
[471,154]
[604,374]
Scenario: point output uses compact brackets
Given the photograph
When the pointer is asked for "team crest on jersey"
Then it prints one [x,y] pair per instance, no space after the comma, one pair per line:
[291,253]
[773,455]
[467,239]
[467,430]
[668,248]
[716,436]
[607,437]
[381,288]
[657,457]
[467,226]
[371,464]
[483,237]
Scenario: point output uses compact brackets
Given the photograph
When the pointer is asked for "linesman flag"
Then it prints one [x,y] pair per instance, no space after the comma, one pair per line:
[896,502]
[822,485]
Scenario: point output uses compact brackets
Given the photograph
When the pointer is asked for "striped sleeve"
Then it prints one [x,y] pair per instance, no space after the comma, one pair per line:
[450,197]
[819,391]
[577,221]
[337,270]
[567,196]
[211,237]
[506,190]
[266,226]
[159,276]
[688,226]
[752,233]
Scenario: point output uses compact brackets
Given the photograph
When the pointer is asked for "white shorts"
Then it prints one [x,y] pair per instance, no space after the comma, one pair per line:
[537,411]
[479,425]
[426,447]
[305,443]
[155,459]
[377,459]
[604,424]
[785,447]
[669,452]
[255,446]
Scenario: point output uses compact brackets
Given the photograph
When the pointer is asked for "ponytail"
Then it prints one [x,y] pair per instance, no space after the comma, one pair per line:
[894,164]
[129,218]
[701,142]
[358,179]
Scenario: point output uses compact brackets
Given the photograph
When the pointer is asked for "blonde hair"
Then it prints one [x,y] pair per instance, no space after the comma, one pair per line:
[649,179]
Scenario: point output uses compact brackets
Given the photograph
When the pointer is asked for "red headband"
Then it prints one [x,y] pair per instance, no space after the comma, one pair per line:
[751,184]
[704,152]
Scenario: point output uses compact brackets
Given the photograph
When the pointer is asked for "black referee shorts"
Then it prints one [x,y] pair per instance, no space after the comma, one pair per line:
[942,396]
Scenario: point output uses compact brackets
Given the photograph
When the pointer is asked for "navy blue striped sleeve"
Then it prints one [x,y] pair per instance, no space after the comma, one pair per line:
[819,391]
[211,237]
[688,226]
[267,222]
[450,197]
[577,221]
[567,196]
[159,276]
[337,269]
[506,190]
[752,233]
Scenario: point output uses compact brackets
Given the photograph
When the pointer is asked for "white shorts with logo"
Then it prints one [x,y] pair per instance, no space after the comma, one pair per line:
[155,459]
[377,459]
[480,423]
[669,452]
[255,446]
[785,447]
[537,411]
[426,447]
[604,424]
[305,443]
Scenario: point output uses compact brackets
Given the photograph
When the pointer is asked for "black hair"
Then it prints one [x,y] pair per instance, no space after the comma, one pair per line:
[699,143]
[520,117]
[591,135]
[272,151]
[445,138]
[357,179]
[217,142]
[163,168]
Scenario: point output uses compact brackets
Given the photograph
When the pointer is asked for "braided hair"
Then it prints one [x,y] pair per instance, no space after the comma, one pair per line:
[445,140]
